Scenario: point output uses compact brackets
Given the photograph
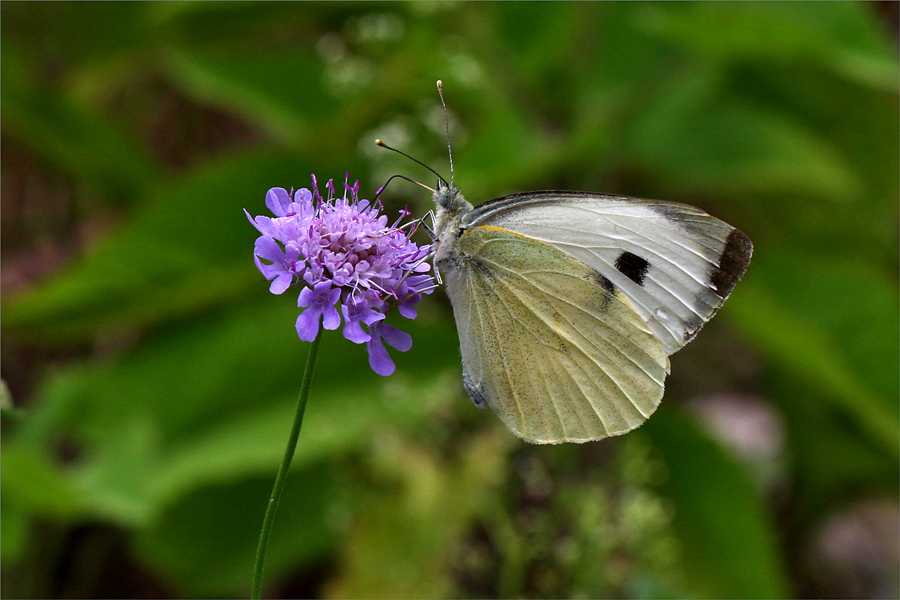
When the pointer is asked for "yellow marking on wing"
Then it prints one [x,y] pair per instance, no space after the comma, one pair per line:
[502,230]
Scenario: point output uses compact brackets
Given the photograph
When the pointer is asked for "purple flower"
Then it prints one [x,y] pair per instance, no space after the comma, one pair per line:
[343,251]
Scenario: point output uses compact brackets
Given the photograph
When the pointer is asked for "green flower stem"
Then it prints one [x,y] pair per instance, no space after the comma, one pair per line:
[282,472]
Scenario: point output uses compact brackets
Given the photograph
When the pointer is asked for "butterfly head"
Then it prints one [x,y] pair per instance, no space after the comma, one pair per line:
[448,199]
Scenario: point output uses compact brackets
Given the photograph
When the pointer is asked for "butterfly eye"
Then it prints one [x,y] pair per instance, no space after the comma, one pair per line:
[444,197]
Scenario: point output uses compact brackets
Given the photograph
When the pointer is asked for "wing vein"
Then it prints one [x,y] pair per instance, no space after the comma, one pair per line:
[506,370]
[520,296]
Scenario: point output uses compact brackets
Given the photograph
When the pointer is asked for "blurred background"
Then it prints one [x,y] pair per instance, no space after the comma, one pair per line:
[151,378]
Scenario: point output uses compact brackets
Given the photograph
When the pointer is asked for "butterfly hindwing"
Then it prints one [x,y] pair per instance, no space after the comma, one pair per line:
[553,346]
[675,263]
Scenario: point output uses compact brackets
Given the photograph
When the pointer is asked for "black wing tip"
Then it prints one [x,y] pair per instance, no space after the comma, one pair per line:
[732,264]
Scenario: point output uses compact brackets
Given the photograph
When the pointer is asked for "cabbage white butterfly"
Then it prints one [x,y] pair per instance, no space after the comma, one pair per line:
[568,304]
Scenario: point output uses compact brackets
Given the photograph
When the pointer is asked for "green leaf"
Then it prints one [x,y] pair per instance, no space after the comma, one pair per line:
[729,545]
[205,543]
[72,136]
[254,89]
[703,140]
[822,339]
[839,35]
[36,484]
[432,503]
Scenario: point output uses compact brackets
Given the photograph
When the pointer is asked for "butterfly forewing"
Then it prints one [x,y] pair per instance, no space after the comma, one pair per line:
[675,263]
[552,345]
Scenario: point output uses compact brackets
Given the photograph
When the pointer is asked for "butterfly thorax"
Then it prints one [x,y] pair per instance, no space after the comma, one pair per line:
[451,208]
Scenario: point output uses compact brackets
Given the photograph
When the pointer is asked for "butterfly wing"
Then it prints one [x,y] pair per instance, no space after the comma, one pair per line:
[674,262]
[553,346]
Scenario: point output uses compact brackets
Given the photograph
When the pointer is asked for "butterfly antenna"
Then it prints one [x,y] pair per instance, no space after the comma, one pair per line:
[392,177]
[383,145]
[440,87]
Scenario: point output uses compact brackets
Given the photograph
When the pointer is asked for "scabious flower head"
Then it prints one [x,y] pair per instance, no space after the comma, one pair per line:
[350,262]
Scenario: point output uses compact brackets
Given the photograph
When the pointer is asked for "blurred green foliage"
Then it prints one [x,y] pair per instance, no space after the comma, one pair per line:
[157,376]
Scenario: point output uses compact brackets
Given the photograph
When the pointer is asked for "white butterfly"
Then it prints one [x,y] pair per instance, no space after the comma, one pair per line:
[568,304]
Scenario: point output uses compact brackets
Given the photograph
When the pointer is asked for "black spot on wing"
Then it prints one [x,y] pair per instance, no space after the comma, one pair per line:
[732,264]
[603,282]
[608,287]
[632,266]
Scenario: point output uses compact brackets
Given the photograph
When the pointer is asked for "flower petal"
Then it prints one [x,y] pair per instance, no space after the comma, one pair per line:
[263,224]
[323,287]
[354,332]
[333,295]
[408,308]
[268,249]
[307,297]
[308,324]
[281,283]
[400,340]
[278,200]
[303,196]
[379,359]
[332,318]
